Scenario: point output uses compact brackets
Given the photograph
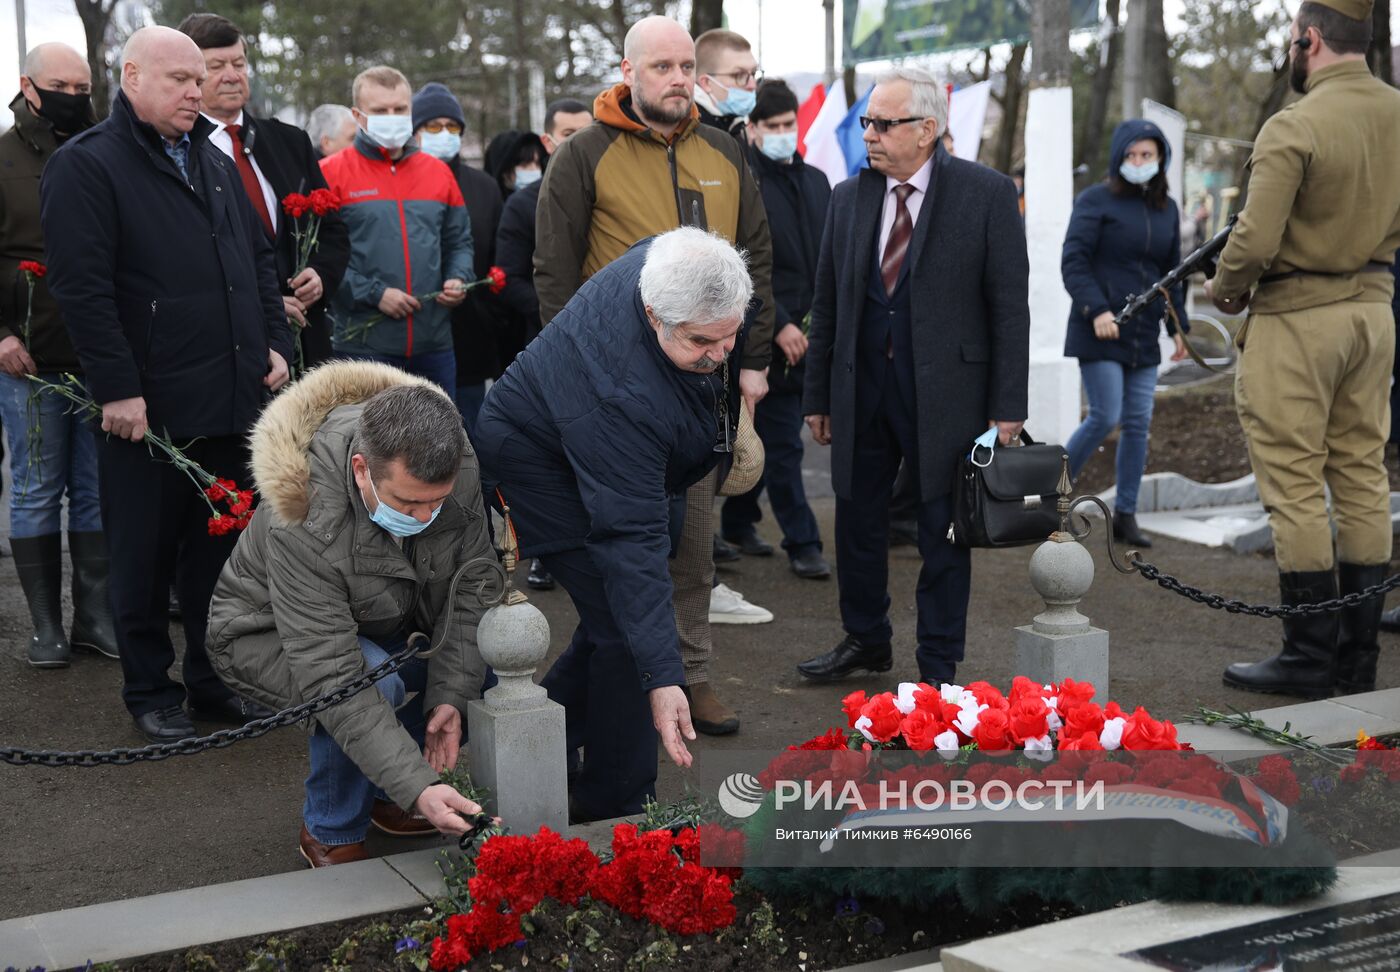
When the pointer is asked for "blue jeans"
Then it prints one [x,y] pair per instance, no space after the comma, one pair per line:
[778,422]
[1117,395]
[439,367]
[339,796]
[64,461]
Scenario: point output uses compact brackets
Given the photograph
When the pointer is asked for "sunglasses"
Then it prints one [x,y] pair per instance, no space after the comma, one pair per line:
[883,125]
[435,127]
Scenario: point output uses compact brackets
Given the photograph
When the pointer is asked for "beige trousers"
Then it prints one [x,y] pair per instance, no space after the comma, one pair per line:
[1313,396]
[692,574]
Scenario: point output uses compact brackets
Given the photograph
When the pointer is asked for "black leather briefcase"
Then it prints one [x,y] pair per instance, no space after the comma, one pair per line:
[1005,497]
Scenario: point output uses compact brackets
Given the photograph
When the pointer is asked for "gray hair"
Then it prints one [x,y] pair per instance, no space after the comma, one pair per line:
[929,98]
[416,424]
[694,277]
[326,122]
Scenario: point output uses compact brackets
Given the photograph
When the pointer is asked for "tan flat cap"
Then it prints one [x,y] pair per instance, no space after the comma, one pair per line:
[1355,9]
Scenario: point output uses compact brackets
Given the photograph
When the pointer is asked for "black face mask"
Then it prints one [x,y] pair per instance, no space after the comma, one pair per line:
[69,113]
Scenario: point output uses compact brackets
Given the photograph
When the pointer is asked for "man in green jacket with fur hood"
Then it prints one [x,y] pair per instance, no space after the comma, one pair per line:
[370,502]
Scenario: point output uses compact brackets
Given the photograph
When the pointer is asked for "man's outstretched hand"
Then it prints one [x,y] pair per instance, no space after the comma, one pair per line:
[443,807]
[444,737]
[670,713]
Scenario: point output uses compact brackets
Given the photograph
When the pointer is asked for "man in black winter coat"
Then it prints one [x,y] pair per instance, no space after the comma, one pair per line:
[795,197]
[273,159]
[515,238]
[168,285]
[438,123]
[919,340]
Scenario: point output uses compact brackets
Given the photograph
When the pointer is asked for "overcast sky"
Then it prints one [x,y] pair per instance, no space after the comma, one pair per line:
[790,33]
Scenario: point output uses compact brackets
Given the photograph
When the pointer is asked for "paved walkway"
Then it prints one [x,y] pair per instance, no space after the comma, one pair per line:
[76,837]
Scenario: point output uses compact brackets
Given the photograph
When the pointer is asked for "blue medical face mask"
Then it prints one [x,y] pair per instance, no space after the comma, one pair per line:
[1138,175]
[739,102]
[399,524]
[441,145]
[527,177]
[780,147]
[391,132]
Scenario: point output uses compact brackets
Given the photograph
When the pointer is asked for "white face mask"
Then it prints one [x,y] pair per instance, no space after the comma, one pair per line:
[441,145]
[527,177]
[779,146]
[389,131]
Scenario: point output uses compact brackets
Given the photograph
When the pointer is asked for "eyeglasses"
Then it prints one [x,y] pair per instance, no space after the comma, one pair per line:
[742,78]
[883,125]
[434,127]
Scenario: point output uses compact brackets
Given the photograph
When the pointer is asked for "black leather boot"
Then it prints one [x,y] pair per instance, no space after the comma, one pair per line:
[1358,645]
[1307,665]
[92,612]
[1125,528]
[39,562]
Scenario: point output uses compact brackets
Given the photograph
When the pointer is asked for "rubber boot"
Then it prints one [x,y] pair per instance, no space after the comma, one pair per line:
[1358,644]
[1307,665]
[39,562]
[92,612]
[707,713]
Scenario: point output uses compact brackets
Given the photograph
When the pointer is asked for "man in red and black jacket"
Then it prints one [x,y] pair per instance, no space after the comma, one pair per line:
[410,238]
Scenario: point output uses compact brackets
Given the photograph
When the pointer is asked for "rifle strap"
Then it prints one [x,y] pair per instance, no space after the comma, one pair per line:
[1186,341]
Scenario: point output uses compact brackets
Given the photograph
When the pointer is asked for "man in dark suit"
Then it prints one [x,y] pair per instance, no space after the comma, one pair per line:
[168,286]
[274,159]
[918,342]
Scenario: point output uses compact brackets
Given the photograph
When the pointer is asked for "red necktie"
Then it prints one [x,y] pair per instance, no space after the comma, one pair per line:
[898,243]
[250,179]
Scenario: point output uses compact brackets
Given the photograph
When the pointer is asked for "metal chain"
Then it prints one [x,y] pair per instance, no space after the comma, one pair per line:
[486,591]
[220,739]
[1221,603]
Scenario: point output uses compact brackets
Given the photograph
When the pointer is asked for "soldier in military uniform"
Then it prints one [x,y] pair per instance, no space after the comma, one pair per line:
[1310,258]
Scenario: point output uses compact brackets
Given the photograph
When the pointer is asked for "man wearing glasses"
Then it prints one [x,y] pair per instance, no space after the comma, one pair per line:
[918,342]
[727,77]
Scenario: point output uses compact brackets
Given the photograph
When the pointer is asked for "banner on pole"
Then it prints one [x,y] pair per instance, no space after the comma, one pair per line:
[880,29]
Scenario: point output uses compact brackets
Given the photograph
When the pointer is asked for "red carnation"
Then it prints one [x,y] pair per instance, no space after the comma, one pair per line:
[1030,718]
[497,276]
[831,739]
[34,267]
[295,205]
[1071,694]
[322,201]
[993,731]
[884,717]
[1083,719]
[852,704]
[919,729]
[1145,732]
[989,695]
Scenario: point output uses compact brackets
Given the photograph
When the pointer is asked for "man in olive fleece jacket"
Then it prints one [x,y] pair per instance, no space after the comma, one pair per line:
[645,166]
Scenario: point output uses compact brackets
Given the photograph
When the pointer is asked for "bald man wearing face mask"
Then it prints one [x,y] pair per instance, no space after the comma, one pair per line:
[54,104]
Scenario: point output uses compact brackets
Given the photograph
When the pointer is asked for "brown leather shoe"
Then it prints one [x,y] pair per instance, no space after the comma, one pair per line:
[708,714]
[388,818]
[318,854]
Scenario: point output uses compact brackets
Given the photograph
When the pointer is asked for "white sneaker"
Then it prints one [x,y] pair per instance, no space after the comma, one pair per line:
[729,607]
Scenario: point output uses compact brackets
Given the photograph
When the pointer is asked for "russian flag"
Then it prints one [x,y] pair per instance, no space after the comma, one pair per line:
[823,150]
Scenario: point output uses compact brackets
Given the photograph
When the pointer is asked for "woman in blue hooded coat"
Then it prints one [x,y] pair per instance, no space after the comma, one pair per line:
[1124,235]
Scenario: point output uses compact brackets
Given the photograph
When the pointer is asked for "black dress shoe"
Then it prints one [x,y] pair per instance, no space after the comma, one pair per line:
[169,724]
[1125,528]
[539,579]
[750,544]
[232,709]
[724,553]
[811,565]
[847,657]
[1390,620]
